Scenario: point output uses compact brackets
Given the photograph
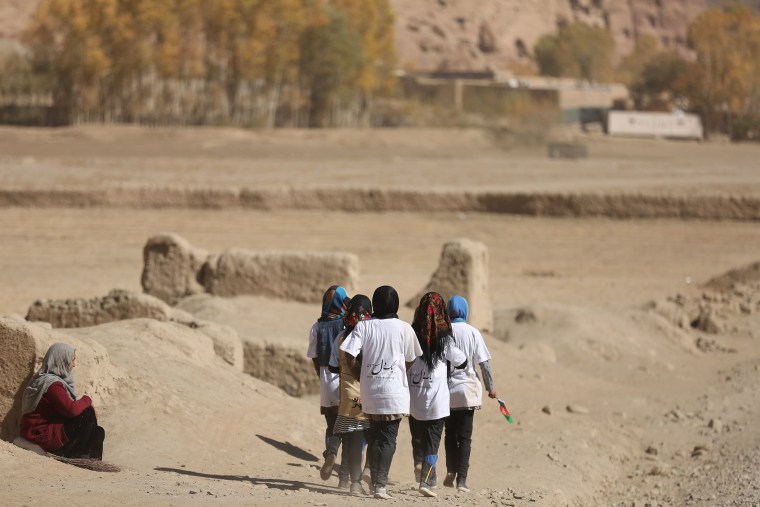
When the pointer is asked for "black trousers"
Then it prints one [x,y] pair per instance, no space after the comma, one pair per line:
[458,442]
[351,459]
[333,441]
[426,438]
[84,435]
[331,414]
[381,440]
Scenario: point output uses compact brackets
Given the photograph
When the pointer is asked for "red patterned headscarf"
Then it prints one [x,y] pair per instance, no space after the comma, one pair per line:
[433,328]
[359,309]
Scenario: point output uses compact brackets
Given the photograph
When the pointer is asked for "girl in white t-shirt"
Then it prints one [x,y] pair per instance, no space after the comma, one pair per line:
[466,394]
[351,424]
[428,387]
[388,347]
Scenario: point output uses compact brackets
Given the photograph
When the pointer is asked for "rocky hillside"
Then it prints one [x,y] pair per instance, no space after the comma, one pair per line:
[500,34]
[497,34]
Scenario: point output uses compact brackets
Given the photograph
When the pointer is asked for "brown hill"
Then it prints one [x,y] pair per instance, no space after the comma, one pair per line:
[467,35]
[497,34]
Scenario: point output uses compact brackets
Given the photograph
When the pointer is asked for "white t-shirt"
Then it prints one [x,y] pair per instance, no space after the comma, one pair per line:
[429,390]
[329,393]
[464,385]
[386,346]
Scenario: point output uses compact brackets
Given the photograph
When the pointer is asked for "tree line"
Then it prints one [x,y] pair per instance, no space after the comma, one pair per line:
[242,62]
[721,82]
[297,63]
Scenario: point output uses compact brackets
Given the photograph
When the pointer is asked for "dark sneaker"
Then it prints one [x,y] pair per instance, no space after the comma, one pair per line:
[449,480]
[356,488]
[343,484]
[327,468]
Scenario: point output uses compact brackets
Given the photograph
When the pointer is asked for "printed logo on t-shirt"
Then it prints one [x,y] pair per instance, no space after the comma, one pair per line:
[418,377]
[382,369]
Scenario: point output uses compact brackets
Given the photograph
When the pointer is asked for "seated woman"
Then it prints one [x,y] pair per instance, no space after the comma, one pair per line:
[52,417]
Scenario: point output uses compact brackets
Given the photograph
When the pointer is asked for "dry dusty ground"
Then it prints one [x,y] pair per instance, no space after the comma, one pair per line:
[416,159]
[188,433]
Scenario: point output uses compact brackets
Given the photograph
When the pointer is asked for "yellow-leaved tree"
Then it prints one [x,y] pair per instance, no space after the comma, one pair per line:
[252,62]
[727,47]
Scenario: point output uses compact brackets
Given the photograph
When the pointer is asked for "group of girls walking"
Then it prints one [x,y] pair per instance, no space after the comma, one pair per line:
[375,369]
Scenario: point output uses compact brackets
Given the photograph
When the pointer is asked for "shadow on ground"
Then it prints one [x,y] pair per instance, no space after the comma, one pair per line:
[290,449]
[281,484]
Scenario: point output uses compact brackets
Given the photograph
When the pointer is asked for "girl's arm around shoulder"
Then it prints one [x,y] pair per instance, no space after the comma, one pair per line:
[352,344]
[412,349]
[455,356]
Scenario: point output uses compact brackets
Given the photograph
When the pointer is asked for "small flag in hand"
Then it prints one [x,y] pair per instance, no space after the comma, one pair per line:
[503,408]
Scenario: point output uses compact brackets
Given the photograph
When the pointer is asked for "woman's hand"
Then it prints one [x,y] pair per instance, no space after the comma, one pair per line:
[492,394]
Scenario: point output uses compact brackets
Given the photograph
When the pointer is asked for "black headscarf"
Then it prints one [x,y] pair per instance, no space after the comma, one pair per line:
[385,302]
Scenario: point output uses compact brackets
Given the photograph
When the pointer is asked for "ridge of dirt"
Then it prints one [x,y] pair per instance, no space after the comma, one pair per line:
[619,206]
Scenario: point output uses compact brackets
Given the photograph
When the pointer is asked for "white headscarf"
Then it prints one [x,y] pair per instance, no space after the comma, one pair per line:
[56,367]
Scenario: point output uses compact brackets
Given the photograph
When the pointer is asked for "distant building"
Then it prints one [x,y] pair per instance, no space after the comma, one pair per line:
[676,125]
[493,93]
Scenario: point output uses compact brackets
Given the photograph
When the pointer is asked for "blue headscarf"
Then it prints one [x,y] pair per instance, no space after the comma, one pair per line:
[334,303]
[458,309]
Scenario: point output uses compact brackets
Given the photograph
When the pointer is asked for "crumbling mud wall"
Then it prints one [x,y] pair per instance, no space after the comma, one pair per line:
[170,267]
[116,305]
[299,276]
[124,305]
[463,271]
[174,269]
[284,367]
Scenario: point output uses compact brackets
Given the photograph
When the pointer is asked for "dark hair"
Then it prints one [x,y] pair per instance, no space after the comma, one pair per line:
[385,302]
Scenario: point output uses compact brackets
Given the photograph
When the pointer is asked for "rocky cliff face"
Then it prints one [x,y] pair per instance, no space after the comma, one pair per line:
[14,14]
[500,34]
[497,34]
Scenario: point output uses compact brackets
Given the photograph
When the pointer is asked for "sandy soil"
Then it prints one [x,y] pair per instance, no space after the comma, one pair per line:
[197,432]
[417,159]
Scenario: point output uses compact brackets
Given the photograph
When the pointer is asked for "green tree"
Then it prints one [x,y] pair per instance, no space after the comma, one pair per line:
[546,54]
[653,74]
[331,62]
[631,67]
[579,50]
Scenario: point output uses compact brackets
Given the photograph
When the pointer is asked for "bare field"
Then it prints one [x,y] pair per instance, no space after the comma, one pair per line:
[60,253]
[97,156]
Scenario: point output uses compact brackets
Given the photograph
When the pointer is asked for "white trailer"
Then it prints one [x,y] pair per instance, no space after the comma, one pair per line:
[643,124]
